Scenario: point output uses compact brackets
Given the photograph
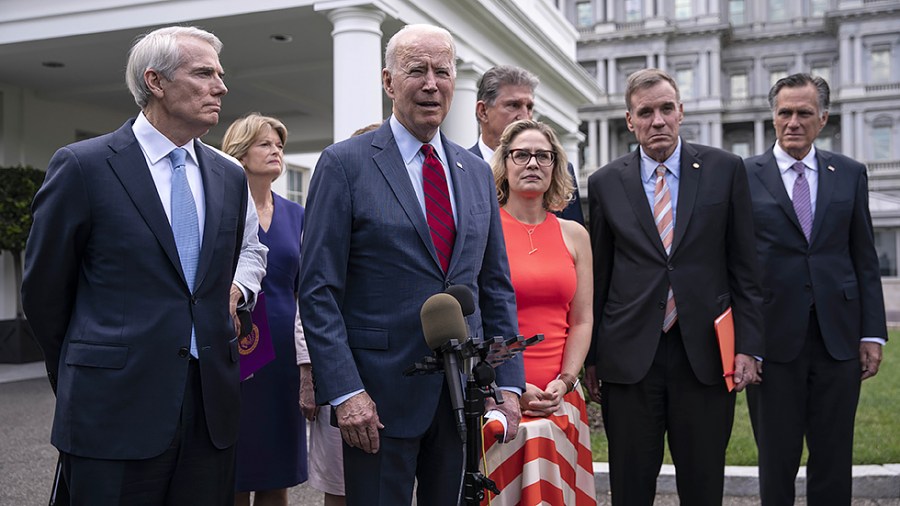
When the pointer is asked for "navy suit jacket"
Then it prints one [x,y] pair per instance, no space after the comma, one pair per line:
[837,270]
[106,297]
[369,264]
[712,265]
[573,209]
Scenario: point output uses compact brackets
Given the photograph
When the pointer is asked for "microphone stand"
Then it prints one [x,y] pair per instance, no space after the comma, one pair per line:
[486,354]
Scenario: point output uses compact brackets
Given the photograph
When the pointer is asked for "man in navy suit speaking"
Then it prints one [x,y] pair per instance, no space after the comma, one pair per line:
[395,216]
[128,287]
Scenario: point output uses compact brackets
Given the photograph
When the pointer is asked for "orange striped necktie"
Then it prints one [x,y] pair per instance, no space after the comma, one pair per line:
[665,225]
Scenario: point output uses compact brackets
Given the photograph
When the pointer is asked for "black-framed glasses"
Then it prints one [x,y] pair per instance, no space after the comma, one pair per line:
[523,156]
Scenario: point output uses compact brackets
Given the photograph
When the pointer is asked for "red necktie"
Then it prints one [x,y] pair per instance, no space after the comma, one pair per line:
[437,206]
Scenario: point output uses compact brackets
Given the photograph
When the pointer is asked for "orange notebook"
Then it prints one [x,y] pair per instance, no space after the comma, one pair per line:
[725,336]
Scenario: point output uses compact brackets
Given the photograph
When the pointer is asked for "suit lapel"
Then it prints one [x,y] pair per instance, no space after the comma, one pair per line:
[688,183]
[214,194]
[634,191]
[462,196]
[768,173]
[390,163]
[824,192]
[130,167]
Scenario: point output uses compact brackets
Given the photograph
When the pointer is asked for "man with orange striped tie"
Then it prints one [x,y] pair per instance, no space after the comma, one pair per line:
[673,244]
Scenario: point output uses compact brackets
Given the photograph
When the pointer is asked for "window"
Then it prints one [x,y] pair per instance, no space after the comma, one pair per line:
[886,249]
[824,142]
[742,149]
[736,12]
[584,14]
[739,86]
[683,9]
[775,75]
[817,8]
[633,10]
[685,80]
[296,184]
[881,141]
[822,70]
[778,10]
[880,65]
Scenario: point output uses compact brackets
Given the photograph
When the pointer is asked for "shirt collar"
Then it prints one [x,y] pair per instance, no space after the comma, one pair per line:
[155,145]
[785,161]
[409,146]
[673,163]
[486,152]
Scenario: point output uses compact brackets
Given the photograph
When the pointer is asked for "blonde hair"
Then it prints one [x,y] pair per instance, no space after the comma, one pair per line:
[561,189]
[244,131]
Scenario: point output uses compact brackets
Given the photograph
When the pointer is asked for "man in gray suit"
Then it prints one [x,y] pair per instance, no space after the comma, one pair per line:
[137,235]
[822,300]
[395,216]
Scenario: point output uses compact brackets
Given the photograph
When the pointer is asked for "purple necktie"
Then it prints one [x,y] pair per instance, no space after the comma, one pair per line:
[802,203]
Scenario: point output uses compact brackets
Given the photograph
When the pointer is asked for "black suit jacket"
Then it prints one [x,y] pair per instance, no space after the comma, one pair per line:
[711,267]
[573,209]
[106,297]
[837,270]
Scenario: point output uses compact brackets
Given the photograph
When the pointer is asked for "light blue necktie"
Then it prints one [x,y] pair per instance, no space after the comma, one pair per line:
[802,201]
[185,225]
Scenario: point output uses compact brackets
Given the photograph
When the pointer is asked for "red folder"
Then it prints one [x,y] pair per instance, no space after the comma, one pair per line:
[256,348]
[725,336]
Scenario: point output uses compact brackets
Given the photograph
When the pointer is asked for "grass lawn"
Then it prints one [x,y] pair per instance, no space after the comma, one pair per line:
[877,438]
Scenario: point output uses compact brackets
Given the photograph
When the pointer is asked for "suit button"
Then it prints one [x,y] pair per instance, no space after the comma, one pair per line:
[670,267]
[183,351]
[662,304]
[194,300]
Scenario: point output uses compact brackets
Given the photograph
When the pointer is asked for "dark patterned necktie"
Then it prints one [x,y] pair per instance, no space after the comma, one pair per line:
[437,206]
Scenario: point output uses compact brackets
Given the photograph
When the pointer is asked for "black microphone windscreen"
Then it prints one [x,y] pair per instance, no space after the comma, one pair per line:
[464,296]
[442,320]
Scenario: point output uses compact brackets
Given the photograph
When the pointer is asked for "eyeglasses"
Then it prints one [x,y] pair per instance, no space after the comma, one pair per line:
[522,157]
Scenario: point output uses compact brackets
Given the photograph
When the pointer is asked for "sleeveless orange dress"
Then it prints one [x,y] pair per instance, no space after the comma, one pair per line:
[550,460]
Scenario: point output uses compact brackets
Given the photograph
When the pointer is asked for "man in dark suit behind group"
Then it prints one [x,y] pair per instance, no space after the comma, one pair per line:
[395,216]
[658,361]
[144,363]
[823,304]
[506,95]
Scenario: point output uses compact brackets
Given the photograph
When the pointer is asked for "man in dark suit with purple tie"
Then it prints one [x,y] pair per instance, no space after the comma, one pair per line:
[823,303]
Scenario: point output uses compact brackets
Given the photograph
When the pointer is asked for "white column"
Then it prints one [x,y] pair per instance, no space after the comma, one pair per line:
[610,11]
[604,142]
[713,7]
[569,143]
[759,137]
[649,64]
[716,133]
[715,72]
[845,78]
[662,61]
[847,133]
[601,73]
[648,9]
[611,76]
[758,83]
[460,124]
[857,60]
[704,75]
[357,68]
[859,134]
[704,133]
[590,160]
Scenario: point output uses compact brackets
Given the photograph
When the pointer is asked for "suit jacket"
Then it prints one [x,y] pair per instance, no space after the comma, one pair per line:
[837,270]
[711,266]
[573,209]
[368,265]
[106,297]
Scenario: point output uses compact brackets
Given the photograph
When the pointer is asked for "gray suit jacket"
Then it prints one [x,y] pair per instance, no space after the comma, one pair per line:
[106,297]
[369,264]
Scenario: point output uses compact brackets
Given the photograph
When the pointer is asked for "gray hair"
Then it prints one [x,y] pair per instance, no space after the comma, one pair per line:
[503,75]
[647,78]
[394,45]
[798,81]
[159,50]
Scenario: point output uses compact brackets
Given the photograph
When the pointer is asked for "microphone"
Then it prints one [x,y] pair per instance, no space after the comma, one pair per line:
[464,296]
[442,321]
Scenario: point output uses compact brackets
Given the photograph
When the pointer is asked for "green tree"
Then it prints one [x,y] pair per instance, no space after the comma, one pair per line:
[17,188]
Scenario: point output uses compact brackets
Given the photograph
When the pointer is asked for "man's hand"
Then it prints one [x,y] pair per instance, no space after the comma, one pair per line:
[358,420]
[746,371]
[510,409]
[307,393]
[235,298]
[593,384]
[869,358]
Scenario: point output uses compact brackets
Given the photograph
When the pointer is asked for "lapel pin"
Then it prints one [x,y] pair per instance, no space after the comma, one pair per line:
[460,165]
[831,168]
[696,165]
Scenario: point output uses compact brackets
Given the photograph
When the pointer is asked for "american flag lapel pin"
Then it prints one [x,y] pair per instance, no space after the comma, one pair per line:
[831,168]
[696,165]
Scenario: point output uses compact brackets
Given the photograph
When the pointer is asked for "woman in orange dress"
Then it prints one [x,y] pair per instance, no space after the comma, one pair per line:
[550,263]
